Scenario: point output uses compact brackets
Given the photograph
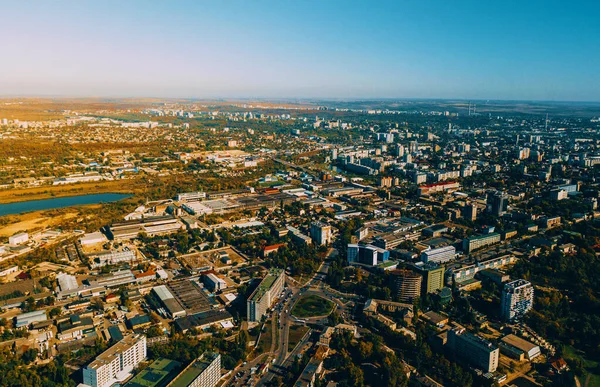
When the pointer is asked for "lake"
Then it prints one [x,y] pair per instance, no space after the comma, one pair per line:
[50,204]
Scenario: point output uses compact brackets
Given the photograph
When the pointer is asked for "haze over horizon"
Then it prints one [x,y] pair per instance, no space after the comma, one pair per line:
[342,50]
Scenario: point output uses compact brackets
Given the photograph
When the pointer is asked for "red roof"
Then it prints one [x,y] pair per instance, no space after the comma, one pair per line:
[273,247]
[148,273]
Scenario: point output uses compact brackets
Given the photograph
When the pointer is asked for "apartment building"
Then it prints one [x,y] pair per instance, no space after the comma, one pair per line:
[116,363]
[517,299]
[473,349]
[203,372]
[263,296]
[480,241]
[320,233]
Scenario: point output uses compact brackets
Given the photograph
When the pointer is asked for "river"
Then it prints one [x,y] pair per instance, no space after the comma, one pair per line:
[50,204]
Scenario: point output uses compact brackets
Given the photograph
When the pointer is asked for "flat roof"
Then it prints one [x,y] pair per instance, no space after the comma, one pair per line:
[158,374]
[518,342]
[193,370]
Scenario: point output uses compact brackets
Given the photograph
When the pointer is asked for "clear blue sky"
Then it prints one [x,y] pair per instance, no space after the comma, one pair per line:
[504,49]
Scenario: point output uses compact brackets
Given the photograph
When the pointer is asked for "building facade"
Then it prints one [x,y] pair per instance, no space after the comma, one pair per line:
[517,299]
[474,350]
[264,295]
[405,284]
[320,233]
[439,255]
[203,372]
[116,363]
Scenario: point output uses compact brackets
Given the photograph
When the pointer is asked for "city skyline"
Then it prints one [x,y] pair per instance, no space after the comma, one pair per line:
[429,50]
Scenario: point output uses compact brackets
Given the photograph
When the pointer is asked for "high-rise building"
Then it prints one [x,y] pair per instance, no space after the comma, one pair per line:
[413,146]
[470,212]
[400,150]
[517,299]
[475,350]
[405,284]
[523,153]
[203,372]
[265,294]
[433,277]
[439,255]
[112,365]
[497,203]
[385,182]
[320,233]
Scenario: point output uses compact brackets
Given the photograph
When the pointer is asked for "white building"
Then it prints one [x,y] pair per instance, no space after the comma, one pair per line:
[66,282]
[18,239]
[517,299]
[92,238]
[265,294]
[116,363]
[439,255]
[190,196]
[475,350]
[203,372]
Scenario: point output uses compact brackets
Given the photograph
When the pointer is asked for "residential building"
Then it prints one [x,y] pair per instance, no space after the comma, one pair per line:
[405,284]
[473,349]
[517,299]
[116,363]
[497,203]
[203,372]
[480,241]
[320,233]
[265,294]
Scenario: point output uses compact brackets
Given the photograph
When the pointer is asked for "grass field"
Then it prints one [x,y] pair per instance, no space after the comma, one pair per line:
[312,306]
[266,339]
[590,377]
[297,332]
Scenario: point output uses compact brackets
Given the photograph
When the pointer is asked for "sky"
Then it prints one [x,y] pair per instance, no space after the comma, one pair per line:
[458,49]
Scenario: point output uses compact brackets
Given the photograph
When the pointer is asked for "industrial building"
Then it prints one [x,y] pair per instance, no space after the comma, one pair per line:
[155,225]
[518,348]
[26,319]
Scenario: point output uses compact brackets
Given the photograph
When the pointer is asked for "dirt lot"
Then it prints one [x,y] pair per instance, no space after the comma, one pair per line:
[212,258]
[33,221]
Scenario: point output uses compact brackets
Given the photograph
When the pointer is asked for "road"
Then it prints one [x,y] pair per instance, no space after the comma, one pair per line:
[281,356]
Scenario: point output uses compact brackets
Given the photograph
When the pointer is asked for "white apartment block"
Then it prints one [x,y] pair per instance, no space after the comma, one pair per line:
[203,372]
[116,363]
[517,299]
